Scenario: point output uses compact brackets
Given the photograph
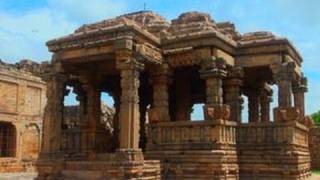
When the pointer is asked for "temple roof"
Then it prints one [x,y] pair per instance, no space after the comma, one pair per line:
[147,20]
[187,26]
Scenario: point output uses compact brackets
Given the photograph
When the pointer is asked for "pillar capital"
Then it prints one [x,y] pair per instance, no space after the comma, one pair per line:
[126,61]
[213,67]
[284,71]
[301,86]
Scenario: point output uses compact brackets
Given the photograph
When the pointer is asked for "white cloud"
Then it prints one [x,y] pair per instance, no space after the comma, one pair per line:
[24,35]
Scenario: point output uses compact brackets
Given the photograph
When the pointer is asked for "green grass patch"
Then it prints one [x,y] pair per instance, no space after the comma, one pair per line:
[316,171]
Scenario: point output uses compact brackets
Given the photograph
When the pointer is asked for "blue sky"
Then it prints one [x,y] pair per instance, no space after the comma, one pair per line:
[26,25]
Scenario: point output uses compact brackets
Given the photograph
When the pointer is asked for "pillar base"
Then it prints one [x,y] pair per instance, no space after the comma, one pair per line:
[129,155]
[286,114]
[216,112]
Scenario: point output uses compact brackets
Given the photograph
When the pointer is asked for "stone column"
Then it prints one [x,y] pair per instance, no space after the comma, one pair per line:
[265,100]
[213,71]
[82,98]
[129,116]
[93,114]
[284,74]
[53,114]
[183,103]
[254,105]
[298,94]
[232,91]
[160,108]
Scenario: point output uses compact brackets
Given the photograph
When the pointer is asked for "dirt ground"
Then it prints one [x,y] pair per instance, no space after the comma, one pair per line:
[17,176]
[31,176]
[315,177]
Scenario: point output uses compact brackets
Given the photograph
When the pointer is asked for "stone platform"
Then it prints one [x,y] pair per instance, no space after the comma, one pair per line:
[101,167]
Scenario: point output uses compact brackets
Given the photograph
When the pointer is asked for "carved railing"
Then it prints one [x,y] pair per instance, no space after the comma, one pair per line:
[81,141]
[190,135]
[273,134]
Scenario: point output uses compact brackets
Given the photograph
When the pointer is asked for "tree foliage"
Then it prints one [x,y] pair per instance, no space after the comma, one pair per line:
[316,117]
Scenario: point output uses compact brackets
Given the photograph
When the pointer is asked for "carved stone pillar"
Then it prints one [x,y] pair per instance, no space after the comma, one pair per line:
[284,78]
[298,94]
[182,95]
[232,93]
[82,98]
[129,116]
[160,108]
[213,71]
[254,105]
[93,114]
[265,100]
[284,74]
[52,123]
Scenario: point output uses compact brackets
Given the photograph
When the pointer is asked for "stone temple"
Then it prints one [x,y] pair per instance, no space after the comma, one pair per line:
[156,71]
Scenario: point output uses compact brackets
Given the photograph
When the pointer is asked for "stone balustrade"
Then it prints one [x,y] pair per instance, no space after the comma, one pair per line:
[191,135]
[78,141]
[273,134]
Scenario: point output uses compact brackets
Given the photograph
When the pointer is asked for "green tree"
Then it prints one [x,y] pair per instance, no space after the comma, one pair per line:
[316,117]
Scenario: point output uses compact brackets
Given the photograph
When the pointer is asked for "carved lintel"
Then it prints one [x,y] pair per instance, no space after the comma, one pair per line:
[149,53]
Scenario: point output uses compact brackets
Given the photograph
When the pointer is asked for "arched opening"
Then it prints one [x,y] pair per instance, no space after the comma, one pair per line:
[7,140]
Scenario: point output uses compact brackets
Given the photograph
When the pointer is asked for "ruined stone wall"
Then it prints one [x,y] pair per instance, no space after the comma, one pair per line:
[22,102]
[314,143]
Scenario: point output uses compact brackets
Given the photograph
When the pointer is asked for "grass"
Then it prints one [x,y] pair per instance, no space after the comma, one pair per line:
[317,172]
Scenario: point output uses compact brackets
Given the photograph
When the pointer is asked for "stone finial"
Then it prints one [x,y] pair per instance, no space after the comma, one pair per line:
[191,17]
